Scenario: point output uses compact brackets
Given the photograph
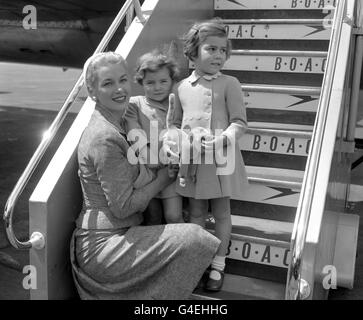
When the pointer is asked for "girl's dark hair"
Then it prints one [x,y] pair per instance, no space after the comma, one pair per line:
[154,61]
[199,32]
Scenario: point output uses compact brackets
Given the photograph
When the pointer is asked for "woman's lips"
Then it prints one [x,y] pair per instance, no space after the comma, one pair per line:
[119,99]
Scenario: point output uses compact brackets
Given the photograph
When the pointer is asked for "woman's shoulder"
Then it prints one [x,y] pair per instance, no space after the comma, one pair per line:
[100,129]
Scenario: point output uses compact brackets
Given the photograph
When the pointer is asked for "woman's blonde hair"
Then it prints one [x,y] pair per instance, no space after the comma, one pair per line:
[199,32]
[94,62]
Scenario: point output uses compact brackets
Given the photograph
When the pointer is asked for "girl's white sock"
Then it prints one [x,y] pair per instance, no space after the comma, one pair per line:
[218,263]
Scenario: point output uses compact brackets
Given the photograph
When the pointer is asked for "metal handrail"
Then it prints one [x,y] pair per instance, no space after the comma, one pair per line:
[353,112]
[37,240]
[297,288]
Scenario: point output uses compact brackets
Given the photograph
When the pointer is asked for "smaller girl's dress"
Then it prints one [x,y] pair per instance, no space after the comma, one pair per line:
[150,117]
[215,103]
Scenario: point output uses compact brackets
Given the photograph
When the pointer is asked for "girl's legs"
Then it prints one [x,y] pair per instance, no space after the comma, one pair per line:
[153,214]
[198,211]
[173,208]
[221,212]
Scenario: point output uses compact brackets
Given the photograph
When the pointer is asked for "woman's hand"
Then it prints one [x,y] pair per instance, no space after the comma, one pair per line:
[173,170]
[154,166]
[163,176]
[211,143]
[169,148]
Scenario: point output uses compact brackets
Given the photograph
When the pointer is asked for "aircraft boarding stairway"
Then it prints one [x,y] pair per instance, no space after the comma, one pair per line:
[280,51]
[295,77]
[279,55]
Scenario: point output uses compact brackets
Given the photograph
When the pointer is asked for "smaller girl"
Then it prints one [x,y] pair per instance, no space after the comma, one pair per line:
[146,118]
[211,100]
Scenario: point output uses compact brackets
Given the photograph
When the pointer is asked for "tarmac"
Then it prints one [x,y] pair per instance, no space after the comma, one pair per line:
[17,145]
[30,97]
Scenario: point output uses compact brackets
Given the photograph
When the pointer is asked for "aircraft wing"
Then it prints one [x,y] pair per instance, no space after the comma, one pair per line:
[66,31]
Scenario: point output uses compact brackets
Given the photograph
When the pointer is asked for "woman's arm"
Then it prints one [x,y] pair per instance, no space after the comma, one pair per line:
[135,133]
[138,137]
[117,176]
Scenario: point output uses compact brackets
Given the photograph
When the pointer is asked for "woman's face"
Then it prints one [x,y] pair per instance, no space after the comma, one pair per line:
[112,88]
[157,85]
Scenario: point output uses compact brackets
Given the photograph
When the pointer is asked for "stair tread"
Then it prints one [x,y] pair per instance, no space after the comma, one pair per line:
[277,111]
[295,30]
[275,173]
[243,288]
[276,78]
[280,126]
[280,53]
[277,21]
[238,5]
[281,89]
[274,160]
[272,232]
[263,225]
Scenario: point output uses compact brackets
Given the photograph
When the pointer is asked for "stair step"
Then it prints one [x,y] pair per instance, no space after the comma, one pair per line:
[288,178]
[274,160]
[305,129]
[306,62]
[255,270]
[243,288]
[281,116]
[281,104]
[262,231]
[268,97]
[280,206]
[283,29]
[271,192]
[304,91]
[274,5]
[259,241]
[280,131]
[277,78]
[289,142]
[278,104]
[280,44]
[270,186]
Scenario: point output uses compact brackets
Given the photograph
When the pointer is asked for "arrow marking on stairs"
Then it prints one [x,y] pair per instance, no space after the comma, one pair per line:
[283,192]
[304,99]
[236,2]
[317,29]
